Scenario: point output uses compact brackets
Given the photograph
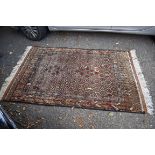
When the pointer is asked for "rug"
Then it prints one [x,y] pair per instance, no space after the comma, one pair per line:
[85,78]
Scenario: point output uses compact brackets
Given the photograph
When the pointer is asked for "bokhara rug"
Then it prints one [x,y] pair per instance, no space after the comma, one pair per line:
[86,78]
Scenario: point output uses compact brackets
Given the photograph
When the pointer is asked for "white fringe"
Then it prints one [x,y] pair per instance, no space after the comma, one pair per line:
[13,73]
[147,96]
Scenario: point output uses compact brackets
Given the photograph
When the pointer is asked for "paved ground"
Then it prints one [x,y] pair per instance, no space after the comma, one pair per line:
[13,44]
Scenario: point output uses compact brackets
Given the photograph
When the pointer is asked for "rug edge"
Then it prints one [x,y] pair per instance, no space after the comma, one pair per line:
[142,81]
[13,73]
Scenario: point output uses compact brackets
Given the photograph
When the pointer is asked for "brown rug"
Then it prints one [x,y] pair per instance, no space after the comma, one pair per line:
[97,79]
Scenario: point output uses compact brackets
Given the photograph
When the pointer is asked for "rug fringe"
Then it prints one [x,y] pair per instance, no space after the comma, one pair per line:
[143,84]
[13,73]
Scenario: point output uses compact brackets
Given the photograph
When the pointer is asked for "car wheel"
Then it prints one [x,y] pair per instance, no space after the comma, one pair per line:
[34,32]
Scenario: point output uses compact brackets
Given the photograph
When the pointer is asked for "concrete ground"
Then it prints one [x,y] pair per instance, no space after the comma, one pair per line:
[12,46]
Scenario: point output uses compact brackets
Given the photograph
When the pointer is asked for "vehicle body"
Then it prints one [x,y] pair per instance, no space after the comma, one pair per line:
[39,32]
[5,120]
[144,30]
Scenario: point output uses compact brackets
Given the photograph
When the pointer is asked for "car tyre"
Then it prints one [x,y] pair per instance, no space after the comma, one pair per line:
[35,33]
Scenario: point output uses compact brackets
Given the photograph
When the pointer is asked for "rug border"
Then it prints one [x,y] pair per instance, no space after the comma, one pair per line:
[8,80]
[142,82]
[70,48]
